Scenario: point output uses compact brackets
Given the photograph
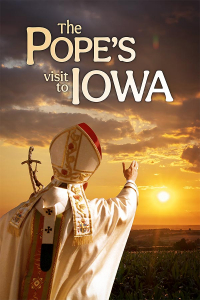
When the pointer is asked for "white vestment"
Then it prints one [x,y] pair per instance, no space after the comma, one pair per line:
[85,272]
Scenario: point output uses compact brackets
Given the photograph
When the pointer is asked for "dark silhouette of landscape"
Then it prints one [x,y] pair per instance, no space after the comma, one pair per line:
[163,239]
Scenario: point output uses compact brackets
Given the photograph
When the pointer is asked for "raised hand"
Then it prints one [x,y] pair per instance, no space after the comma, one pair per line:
[132,172]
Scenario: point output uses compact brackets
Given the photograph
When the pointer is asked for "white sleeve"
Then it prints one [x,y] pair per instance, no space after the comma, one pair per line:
[130,191]
[115,214]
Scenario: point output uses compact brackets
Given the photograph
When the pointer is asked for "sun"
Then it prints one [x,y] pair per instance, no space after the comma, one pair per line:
[163,196]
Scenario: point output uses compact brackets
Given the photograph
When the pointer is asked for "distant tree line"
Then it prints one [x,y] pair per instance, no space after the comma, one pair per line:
[184,245]
[180,245]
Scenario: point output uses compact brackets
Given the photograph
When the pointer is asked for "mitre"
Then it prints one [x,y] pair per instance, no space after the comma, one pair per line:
[75,154]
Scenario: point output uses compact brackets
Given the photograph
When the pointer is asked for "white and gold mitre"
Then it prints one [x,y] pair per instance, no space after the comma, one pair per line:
[75,154]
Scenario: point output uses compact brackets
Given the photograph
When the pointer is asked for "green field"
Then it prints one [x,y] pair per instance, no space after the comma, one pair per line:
[158,275]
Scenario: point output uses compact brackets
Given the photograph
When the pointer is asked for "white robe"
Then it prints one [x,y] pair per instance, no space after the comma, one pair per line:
[84,272]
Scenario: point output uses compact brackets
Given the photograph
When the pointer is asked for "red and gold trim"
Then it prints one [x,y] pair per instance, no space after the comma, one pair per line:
[92,135]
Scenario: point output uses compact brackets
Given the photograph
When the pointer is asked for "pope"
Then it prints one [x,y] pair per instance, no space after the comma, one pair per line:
[59,245]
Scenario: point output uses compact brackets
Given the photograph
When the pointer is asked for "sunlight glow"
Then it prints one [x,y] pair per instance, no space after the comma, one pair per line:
[163,196]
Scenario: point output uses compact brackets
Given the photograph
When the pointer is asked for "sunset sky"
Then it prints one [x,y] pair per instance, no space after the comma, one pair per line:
[163,137]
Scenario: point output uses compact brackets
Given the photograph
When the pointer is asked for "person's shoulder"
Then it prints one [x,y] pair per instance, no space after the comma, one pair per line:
[96,203]
[10,213]
[96,200]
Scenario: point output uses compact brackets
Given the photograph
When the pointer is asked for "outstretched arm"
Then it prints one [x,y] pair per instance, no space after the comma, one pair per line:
[119,212]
